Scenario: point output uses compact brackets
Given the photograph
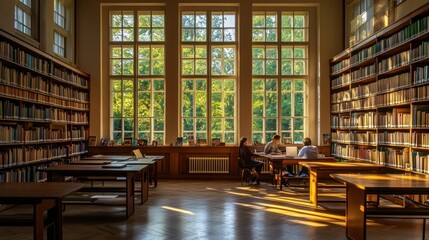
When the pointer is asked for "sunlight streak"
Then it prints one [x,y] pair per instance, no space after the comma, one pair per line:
[178,210]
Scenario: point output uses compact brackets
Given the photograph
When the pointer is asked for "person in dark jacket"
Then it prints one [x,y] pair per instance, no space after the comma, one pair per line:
[247,157]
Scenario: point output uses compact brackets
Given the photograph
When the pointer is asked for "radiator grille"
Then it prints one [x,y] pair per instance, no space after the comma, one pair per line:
[203,164]
[266,168]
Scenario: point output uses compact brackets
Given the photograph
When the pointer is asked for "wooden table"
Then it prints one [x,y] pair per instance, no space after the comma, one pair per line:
[360,185]
[57,173]
[91,162]
[322,170]
[278,161]
[151,161]
[44,197]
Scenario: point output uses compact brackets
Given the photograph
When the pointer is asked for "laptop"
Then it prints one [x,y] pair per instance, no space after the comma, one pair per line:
[291,152]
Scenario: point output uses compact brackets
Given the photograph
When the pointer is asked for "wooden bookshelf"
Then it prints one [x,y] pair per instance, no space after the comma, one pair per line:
[380,97]
[44,111]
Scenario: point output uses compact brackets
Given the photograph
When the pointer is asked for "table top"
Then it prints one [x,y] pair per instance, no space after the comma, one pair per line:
[37,190]
[140,161]
[385,181]
[349,165]
[109,157]
[76,168]
[284,157]
[91,162]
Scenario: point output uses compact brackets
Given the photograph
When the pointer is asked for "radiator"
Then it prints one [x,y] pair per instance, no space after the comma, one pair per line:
[203,164]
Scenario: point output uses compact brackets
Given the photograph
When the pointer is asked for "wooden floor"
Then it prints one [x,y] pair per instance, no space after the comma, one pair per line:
[217,210]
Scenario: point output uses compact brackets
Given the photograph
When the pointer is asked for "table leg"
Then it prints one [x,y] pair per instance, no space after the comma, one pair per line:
[155,174]
[313,187]
[39,220]
[55,232]
[144,185]
[355,213]
[129,198]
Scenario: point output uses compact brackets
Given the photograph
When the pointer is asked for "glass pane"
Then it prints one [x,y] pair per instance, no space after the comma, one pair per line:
[258,85]
[187,35]
[201,85]
[117,124]
[188,104]
[229,21]
[158,124]
[257,137]
[144,85]
[287,21]
[230,137]
[258,35]
[158,67]
[258,104]
[201,104]
[217,105]
[117,104]
[286,67]
[128,124]
[158,35]
[158,104]
[286,85]
[187,67]
[258,21]
[217,35]
[298,21]
[201,124]
[128,102]
[188,21]
[298,35]
[201,35]
[286,104]
[299,104]
[216,124]
[271,104]
[271,85]
[217,20]
[258,124]
[271,35]
[297,137]
[271,21]
[229,35]
[201,20]
[188,124]
[299,85]
[144,124]
[271,67]
[157,20]
[286,35]
[299,67]
[144,102]
[286,124]
[144,21]
[299,52]
[201,67]
[229,105]
[258,52]
[271,124]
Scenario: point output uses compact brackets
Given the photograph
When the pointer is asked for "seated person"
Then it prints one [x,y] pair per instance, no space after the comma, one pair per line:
[272,147]
[247,156]
[308,151]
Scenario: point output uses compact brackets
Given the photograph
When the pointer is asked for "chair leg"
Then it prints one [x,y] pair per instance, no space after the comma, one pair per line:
[242,176]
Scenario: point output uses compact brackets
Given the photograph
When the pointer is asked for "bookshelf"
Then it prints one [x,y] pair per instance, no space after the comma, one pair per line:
[44,111]
[379,97]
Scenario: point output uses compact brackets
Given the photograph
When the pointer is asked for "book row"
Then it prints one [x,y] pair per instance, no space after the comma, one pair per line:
[393,82]
[362,55]
[420,139]
[363,103]
[419,162]
[391,98]
[395,138]
[34,82]
[394,61]
[393,157]
[25,174]
[21,57]
[341,80]
[17,93]
[421,116]
[421,74]
[397,118]
[364,90]
[340,66]
[24,58]
[13,110]
[363,72]
[18,156]
[416,28]
[38,134]
[421,51]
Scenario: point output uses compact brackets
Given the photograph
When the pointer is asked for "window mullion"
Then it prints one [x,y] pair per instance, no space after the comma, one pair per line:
[135,66]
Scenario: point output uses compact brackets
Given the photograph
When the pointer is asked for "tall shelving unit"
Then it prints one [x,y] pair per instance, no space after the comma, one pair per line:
[44,111]
[380,97]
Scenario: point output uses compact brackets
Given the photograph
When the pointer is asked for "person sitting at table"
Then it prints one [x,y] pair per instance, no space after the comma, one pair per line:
[272,147]
[308,151]
[247,156]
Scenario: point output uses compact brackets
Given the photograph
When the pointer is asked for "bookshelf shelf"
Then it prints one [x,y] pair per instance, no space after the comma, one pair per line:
[380,97]
[44,111]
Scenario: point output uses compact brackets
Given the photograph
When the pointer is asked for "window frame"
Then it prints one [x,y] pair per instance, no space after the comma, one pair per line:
[209,44]
[135,44]
[280,44]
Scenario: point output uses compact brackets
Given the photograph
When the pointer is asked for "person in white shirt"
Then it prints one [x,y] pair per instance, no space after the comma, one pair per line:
[308,151]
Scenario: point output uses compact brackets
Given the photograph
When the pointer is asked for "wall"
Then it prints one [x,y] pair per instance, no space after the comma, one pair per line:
[330,42]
